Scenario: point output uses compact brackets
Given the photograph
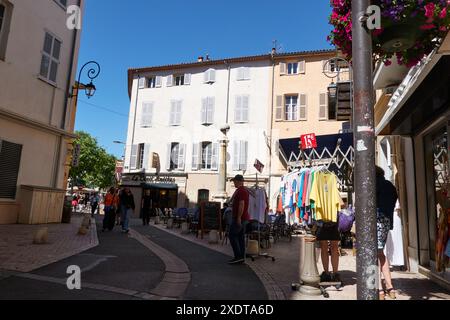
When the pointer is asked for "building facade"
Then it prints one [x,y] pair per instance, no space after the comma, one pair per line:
[38,59]
[412,123]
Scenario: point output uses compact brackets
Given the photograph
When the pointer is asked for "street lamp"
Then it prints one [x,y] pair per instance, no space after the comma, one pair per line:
[92,73]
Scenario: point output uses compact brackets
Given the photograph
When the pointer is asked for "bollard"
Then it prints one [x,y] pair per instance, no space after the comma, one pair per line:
[157,220]
[213,237]
[302,255]
[253,248]
[41,236]
[170,223]
[310,274]
[184,228]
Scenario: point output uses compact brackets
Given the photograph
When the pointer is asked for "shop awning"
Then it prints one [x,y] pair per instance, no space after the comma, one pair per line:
[165,186]
[330,142]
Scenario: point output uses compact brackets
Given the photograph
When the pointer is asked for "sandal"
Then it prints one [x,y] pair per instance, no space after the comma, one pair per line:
[391,293]
[381,295]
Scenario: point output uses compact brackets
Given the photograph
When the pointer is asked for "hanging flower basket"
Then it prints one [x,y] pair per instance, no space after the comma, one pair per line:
[410,29]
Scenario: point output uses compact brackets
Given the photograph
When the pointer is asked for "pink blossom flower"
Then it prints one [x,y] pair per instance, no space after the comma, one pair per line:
[429,10]
[443,13]
[427,27]
[387,63]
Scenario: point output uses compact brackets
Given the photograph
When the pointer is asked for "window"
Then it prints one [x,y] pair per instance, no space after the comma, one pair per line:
[241,110]
[175,113]
[210,76]
[147,115]
[2,15]
[205,156]
[203,195]
[5,19]
[141,156]
[208,110]
[240,155]
[292,68]
[243,73]
[179,80]
[50,58]
[291,108]
[10,155]
[150,82]
[175,156]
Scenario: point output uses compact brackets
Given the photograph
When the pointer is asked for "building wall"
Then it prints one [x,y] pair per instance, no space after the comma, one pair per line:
[32,109]
[191,130]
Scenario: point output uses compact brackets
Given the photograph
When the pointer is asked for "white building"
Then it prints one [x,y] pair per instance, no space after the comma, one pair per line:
[38,59]
[177,112]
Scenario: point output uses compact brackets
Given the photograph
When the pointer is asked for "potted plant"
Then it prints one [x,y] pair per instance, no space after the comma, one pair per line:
[410,29]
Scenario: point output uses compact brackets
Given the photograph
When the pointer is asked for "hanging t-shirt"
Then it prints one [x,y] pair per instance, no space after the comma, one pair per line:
[326,196]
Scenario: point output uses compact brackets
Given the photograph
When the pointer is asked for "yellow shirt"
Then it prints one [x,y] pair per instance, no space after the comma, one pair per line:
[326,196]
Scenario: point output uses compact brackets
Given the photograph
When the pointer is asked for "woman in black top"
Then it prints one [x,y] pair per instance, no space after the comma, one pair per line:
[127,207]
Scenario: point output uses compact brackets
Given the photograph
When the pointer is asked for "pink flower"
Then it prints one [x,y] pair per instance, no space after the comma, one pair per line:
[443,13]
[427,27]
[443,28]
[429,10]
[387,63]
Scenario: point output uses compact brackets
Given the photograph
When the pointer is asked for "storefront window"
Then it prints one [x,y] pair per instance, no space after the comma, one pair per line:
[440,211]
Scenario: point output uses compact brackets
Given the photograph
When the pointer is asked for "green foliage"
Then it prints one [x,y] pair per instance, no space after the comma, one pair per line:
[96,167]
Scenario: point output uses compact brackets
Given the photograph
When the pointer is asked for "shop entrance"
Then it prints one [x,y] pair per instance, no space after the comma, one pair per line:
[163,196]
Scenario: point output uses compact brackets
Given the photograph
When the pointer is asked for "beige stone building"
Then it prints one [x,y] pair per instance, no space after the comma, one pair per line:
[38,61]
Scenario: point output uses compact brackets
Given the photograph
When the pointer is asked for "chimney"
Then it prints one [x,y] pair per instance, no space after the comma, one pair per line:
[274,51]
[207,57]
[200,59]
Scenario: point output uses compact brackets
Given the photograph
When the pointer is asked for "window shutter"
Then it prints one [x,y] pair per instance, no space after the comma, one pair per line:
[181,157]
[210,110]
[247,73]
[215,157]
[243,155]
[10,156]
[146,164]
[212,75]
[187,79]
[204,110]
[237,111]
[206,76]
[282,68]
[303,107]
[169,156]
[170,80]
[279,109]
[147,114]
[301,67]
[323,107]
[239,74]
[142,82]
[178,113]
[244,108]
[133,157]
[195,156]
[173,109]
[236,153]
[158,82]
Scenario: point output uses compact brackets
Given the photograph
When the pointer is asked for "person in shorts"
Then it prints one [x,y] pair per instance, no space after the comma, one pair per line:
[329,237]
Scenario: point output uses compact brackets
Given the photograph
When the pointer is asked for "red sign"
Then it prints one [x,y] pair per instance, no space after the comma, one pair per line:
[259,166]
[308,141]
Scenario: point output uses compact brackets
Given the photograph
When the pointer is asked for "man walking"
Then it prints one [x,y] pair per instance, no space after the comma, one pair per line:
[240,218]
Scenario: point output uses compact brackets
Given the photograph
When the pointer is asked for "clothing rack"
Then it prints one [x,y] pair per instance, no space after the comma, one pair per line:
[260,254]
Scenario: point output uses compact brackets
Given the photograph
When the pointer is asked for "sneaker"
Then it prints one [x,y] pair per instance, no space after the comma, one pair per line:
[325,277]
[236,261]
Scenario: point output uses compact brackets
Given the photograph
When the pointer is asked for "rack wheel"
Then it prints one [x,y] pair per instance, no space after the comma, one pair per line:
[326,295]
[338,287]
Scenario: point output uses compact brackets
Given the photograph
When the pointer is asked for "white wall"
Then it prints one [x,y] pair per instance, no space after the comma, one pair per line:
[191,129]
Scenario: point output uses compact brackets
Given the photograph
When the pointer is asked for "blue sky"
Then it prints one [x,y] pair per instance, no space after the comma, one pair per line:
[138,33]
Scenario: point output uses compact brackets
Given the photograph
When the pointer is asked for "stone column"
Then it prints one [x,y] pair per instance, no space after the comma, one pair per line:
[222,194]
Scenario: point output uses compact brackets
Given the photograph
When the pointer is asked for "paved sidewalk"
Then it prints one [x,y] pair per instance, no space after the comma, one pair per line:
[278,276]
[18,253]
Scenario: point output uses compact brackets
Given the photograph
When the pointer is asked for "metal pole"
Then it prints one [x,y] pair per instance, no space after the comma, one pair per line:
[366,260]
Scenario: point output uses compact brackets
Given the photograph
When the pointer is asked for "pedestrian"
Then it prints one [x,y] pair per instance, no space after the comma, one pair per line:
[146,206]
[94,203]
[127,207]
[240,218]
[386,196]
[118,206]
[110,210]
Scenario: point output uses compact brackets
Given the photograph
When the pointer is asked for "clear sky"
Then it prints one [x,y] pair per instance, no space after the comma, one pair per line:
[139,33]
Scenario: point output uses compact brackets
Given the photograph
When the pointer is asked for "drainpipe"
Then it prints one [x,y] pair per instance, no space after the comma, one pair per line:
[134,121]
[271,128]
[228,89]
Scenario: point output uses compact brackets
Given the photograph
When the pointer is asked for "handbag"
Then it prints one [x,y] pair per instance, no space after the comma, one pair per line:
[346,218]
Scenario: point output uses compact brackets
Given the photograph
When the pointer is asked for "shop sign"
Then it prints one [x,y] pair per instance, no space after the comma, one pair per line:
[149,179]
[308,141]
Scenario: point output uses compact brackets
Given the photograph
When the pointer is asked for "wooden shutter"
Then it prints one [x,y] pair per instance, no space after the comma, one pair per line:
[10,156]
[181,156]
[210,110]
[244,108]
[187,79]
[142,82]
[147,114]
[204,112]
[169,156]
[170,80]
[178,112]
[133,157]
[243,155]
[195,156]
[215,157]
[282,68]
[173,109]
[323,106]
[301,67]
[237,110]
[158,82]
[279,111]
[303,101]
[236,155]
[146,164]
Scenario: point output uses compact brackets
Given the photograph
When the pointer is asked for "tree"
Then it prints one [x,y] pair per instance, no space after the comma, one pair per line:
[96,167]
